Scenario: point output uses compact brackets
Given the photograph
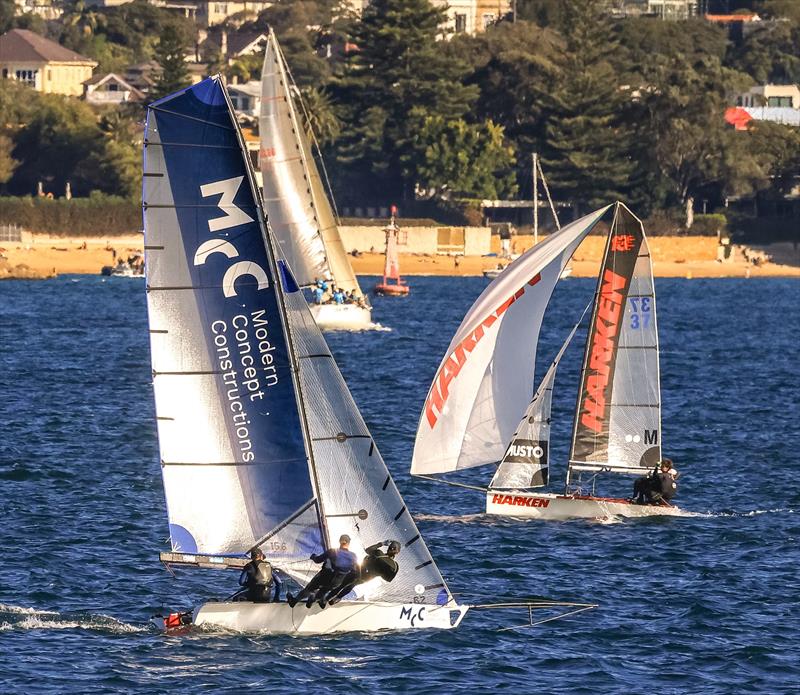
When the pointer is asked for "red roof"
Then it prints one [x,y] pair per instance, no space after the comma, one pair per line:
[732,17]
[23,46]
[737,117]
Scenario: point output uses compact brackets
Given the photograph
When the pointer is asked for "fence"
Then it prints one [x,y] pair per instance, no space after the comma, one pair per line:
[10,233]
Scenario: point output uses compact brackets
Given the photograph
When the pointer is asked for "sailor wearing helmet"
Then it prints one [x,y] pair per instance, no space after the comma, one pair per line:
[376,564]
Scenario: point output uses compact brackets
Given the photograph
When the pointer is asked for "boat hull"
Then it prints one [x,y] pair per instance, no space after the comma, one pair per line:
[346,616]
[542,505]
[392,290]
[342,317]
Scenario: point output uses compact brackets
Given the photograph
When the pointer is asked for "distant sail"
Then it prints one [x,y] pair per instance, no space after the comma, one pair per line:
[261,442]
[526,462]
[486,377]
[295,201]
[618,418]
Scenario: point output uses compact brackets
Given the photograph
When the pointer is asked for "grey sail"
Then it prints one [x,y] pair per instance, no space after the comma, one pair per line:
[618,418]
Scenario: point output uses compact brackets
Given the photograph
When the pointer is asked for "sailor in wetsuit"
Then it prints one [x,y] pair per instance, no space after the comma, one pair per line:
[375,564]
[659,486]
[258,579]
[336,565]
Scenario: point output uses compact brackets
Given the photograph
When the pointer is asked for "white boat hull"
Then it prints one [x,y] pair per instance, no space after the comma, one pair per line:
[542,505]
[342,317]
[346,616]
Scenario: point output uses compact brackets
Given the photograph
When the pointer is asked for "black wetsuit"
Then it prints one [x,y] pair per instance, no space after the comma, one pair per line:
[257,578]
[376,564]
[654,488]
[336,565]
[666,486]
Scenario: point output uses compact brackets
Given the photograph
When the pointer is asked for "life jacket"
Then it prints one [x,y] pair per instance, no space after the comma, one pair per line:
[259,574]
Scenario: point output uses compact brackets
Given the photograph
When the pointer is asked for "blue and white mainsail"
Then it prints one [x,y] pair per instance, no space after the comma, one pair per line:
[236,357]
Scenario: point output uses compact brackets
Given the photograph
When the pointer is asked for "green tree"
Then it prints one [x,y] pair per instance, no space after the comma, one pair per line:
[7,163]
[170,54]
[456,159]
[587,151]
[398,67]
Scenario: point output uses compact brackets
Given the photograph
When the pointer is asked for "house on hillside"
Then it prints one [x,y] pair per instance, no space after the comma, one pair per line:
[43,64]
[772,95]
[46,9]
[473,16]
[231,45]
[211,13]
[110,88]
[246,98]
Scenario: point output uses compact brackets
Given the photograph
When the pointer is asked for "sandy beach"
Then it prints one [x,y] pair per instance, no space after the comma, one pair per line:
[688,257]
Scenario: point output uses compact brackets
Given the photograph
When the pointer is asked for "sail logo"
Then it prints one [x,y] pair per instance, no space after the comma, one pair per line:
[440,390]
[623,242]
[233,216]
[601,353]
[524,450]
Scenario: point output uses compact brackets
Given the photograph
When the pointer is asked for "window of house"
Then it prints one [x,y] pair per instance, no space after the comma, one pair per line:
[112,87]
[5,73]
[779,101]
[49,75]
[461,23]
[27,77]
[488,19]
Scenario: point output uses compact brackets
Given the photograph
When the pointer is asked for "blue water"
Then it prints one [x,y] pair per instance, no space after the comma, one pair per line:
[701,604]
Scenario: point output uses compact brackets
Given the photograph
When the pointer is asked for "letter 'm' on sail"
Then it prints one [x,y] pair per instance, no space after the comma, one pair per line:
[260,440]
[295,201]
[485,380]
[618,415]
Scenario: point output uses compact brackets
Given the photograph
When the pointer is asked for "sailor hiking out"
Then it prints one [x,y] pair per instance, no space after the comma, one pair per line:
[376,564]
[658,487]
[258,580]
[336,566]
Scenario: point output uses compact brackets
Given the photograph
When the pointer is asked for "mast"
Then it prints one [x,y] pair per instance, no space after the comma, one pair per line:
[535,199]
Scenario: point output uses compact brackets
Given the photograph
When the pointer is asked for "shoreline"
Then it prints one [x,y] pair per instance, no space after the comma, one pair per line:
[688,257]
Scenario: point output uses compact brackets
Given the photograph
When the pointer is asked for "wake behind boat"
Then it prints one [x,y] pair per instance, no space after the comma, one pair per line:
[300,215]
[470,406]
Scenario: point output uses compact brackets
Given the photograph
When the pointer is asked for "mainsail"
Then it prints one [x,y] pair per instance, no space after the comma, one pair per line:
[618,415]
[486,377]
[294,195]
[260,440]
[526,462]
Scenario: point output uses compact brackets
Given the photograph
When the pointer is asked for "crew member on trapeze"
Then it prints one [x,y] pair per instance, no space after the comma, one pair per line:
[336,565]
[658,487]
[376,564]
[258,579]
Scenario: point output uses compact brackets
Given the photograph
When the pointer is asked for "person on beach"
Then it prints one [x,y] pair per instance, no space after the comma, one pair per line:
[259,580]
[336,565]
[659,486]
[376,563]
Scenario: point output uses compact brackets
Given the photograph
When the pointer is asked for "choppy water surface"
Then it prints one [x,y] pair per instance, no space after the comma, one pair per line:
[706,603]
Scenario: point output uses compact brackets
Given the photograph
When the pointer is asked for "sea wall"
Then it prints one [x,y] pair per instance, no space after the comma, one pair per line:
[467,241]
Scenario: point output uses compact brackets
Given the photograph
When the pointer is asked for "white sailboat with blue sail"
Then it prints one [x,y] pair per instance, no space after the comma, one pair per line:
[261,444]
[478,410]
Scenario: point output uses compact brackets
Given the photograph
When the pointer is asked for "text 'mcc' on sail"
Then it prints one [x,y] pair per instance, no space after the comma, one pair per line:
[260,440]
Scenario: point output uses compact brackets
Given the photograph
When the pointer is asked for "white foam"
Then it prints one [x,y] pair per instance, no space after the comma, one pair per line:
[35,619]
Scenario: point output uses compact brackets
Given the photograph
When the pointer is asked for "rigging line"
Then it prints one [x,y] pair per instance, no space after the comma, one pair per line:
[150,143]
[285,523]
[547,191]
[190,118]
[547,620]
[450,482]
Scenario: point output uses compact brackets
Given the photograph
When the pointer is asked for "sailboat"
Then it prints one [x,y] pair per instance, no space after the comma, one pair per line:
[391,267]
[261,443]
[296,204]
[477,411]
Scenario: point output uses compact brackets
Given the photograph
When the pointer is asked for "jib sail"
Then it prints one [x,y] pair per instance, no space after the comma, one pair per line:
[486,377]
[618,415]
[526,463]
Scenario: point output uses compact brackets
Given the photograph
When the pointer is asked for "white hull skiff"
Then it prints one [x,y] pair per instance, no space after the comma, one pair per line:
[342,317]
[347,616]
[542,505]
